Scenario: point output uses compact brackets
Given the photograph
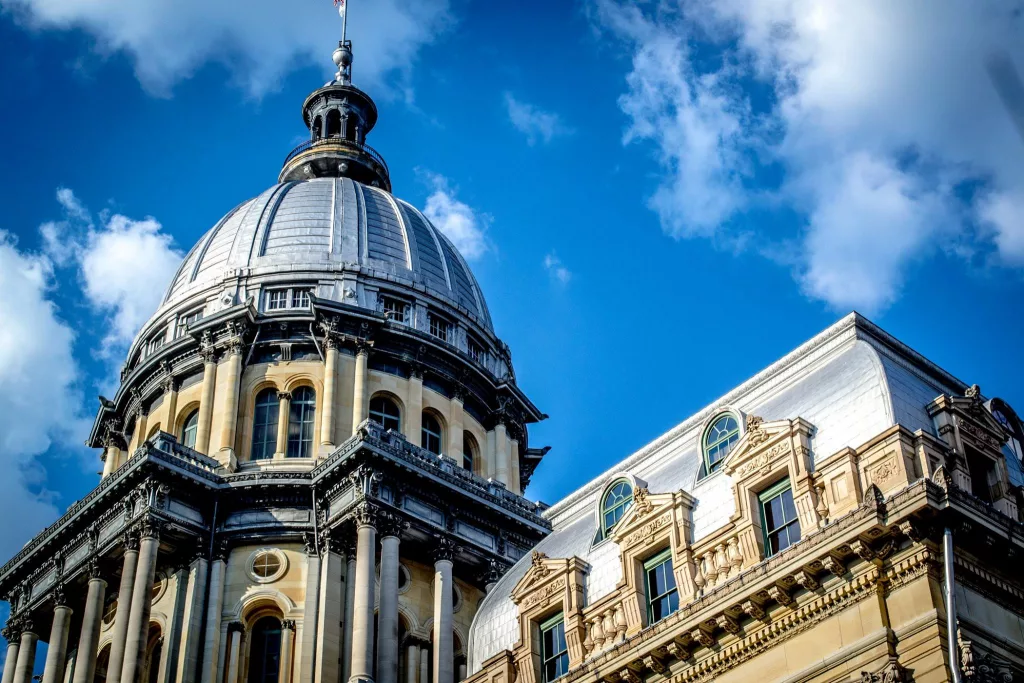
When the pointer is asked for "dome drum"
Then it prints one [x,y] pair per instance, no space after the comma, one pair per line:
[331,157]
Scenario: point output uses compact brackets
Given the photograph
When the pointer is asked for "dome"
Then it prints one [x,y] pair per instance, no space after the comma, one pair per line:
[328,229]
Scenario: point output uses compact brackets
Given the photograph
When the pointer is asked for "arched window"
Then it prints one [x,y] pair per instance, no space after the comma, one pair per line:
[264,426]
[318,124]
[614,504]
[300,423]
[265,651]
[721,436]
[333,123]
[190,429]
[470,451]
[384,412]
[431,436]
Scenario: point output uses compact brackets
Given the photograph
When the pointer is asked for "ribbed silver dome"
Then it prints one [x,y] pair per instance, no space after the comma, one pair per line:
[325,225]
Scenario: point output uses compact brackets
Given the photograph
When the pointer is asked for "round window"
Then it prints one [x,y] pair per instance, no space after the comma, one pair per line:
[267,565]
[159,586]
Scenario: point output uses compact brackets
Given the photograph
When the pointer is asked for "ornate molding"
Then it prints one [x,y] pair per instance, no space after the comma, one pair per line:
[445,549]
[390,524]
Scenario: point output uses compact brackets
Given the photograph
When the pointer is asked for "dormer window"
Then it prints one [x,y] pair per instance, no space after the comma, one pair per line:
[395,309]
[721,436]
[616,501]
[439,327]
[285,298]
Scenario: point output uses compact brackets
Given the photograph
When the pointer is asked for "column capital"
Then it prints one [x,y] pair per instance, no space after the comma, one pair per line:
[445,549]
[309,541]
[207,349]
[390,524]
[236,627]
[288,625]
[11,633]
[221,550]
[366,514]
[150,528]
[27,626]
[363,347]
[495,570]
[284,396]
[60,596]
[130,540]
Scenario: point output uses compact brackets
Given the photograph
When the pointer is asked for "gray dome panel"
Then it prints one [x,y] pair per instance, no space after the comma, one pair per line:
[322,224]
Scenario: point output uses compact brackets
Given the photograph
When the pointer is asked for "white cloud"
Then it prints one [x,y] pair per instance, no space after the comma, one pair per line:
[39,398]
[535,123]
[257,40]
[466,228]
[556,269]
[875,115]
[124,265]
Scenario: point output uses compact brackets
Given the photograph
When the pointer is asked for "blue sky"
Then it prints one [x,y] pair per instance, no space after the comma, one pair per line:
[658,200]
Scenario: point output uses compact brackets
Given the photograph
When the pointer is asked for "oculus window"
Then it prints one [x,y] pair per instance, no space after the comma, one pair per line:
[662,595]
[384,412]
[553,648]
[721,436]
[614,504]
[778,518]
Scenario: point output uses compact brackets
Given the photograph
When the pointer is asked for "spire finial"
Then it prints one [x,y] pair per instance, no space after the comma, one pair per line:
[343,55]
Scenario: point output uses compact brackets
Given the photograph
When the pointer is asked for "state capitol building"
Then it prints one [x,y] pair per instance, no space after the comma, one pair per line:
[313,472]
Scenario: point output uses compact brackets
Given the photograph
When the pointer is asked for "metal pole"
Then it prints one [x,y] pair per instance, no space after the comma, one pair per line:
[951,639]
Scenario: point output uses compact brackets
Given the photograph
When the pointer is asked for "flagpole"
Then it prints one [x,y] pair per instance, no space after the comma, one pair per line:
[344,21]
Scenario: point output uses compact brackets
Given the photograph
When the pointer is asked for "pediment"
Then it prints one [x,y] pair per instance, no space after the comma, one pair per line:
[763,443]
[976,424]
[543,570]
[649,513]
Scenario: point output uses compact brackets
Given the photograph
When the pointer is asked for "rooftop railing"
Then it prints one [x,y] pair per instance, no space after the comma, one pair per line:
[357,147]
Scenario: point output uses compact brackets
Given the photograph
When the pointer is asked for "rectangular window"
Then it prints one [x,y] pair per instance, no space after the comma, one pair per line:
[439,327]
[300,298]
[554,652]
[476,350]
[662,596]
[277,299]
[395,309]
[155,343]
[188,319]
[778,518]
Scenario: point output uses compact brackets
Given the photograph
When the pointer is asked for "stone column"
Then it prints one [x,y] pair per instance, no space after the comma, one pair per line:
[455,430]
[424,665]
[141,425]
[310,614]
[444,643]
[330,610]
[412,659]
[26,655]
[92,622]
[171,399]
[124,603]
[362,612]
[235,630]
[192,618]
[13,638]
[109,461]
[350,603]
[57,646]
[489,470]
[287,644]
[211,646]
[330,395]
[177,628]
[284,410]
[462,671]
[513,457]
[206,398]
[142,600]
[387,614]
[501,472]
[360,402]
[414,409]
[233,368]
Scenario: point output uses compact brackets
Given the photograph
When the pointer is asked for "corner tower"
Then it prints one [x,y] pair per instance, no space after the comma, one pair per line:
[314,463]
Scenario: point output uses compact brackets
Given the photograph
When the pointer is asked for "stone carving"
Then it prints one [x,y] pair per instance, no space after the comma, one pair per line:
[833,565]
[642,501]
[288,625]
[890,673]
[703,637]
[781,596]
[755,432]
[390,524]
[365,514]
[648,529]
[543,595]
[444,548]
[753,610]
[806,580]
[886,471]
[654,664]
[727,624]
[540,569]
[762,461]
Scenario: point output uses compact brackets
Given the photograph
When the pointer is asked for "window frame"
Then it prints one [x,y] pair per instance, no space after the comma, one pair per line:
[624,505]
[442,323]
[292,298]
[729,441]
[185,427]
[186,319]
[426,434]
[659,560]
[383,423]
[766,496]
[306,419]
[273,407]
[547,626]
[395,303]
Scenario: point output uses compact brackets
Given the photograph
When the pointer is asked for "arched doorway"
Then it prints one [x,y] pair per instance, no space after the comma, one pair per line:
[265,651]
[154,651]
[101,665]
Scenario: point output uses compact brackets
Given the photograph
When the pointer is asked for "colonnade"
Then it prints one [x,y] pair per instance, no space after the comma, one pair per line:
[337,638]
